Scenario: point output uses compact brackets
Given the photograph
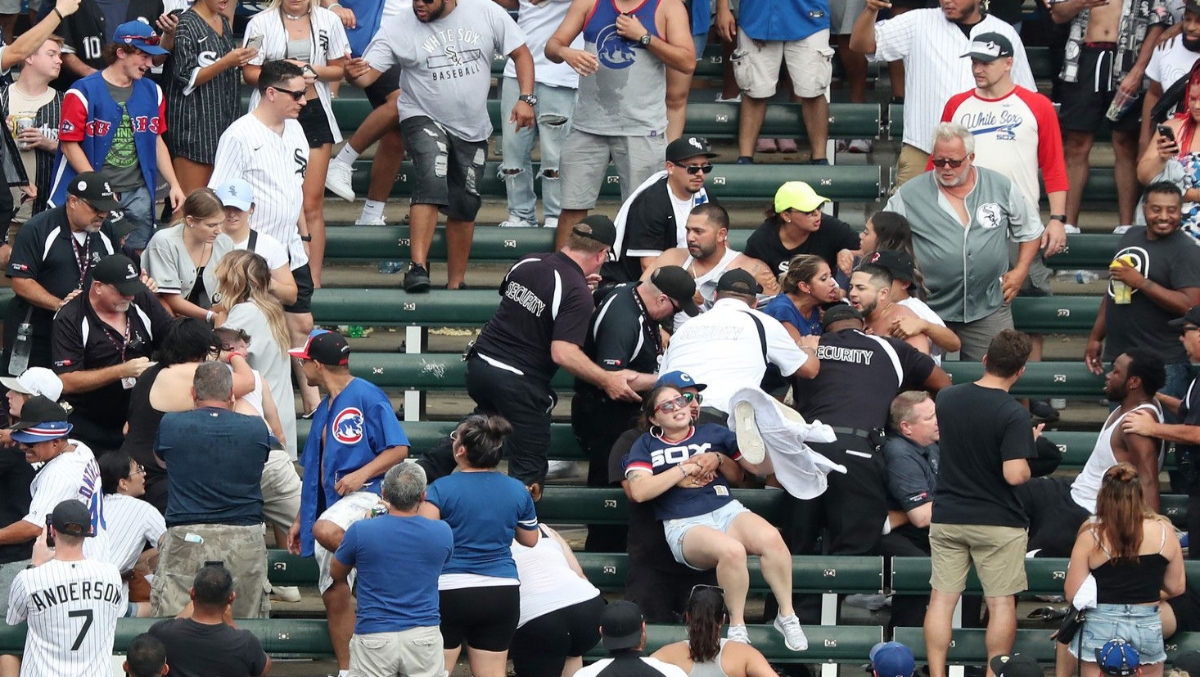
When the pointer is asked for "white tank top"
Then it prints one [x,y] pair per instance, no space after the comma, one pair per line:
[706,284]
[1087,484]
[548,583]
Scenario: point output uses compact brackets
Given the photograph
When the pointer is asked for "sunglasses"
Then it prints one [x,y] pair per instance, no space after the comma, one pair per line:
[672,405]
[694,397]
[801,211]
[945,161]
[696,169]
[704,586]
[152,40]
[296,96]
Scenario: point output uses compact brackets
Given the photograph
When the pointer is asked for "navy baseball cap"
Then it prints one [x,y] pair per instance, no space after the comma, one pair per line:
[71,517]
[621,626]
[42,419]
[987,47]
[892,659]
[141,35]
[1118,658]
[1190,319]
[680,379]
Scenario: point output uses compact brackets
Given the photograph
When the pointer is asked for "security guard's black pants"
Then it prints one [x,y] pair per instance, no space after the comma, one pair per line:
[597,423]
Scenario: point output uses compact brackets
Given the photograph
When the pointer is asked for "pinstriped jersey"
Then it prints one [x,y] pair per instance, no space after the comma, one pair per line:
[72,474]
[72,609]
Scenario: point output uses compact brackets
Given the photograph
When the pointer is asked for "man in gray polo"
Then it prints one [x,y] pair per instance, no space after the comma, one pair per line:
[988,211]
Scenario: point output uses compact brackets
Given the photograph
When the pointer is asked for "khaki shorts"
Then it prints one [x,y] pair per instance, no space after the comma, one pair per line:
[416,652]
[281,490]
[241,549]
[910,164]
[350,509]
[997,552]
[756,65]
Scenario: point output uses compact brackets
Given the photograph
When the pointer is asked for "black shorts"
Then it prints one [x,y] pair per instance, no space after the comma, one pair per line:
[304,291]
[1054,517]
[1083,108]
[447,169]
[316,124]
[541,646]
[486,618]
[378,92]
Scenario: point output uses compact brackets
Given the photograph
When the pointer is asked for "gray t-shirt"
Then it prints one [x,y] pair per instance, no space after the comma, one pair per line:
[446,65]
[121,166]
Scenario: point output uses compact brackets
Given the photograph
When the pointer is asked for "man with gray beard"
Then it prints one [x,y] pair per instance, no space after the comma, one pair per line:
[989,210]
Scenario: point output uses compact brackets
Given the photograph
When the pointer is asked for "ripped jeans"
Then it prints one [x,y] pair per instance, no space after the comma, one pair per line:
[553,116]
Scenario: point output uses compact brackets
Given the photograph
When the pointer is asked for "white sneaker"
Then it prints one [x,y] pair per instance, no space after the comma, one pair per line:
[736,99]
[514,222]
[738,633]
[793,634]
[561,469]
[749,439]
[338,178]
[551,222]
[285,593]
[380,220]
[860,146]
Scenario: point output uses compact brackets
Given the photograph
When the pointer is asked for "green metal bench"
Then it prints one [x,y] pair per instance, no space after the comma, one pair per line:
[968,648]
[910,575]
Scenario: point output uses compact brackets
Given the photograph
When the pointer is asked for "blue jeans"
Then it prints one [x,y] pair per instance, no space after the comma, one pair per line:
[137,218]
[553,117]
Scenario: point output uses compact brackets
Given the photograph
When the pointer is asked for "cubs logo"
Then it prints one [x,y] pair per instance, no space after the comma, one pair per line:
[612,50]
[348,426]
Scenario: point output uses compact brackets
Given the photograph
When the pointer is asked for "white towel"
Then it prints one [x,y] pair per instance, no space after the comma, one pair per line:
[623,212]
[1085,597]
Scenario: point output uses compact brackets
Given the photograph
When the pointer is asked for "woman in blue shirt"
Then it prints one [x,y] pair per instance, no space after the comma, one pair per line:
[807,285]
[479,588]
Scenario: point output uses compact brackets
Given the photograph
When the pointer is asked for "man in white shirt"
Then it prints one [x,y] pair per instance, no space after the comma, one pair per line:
[1171,61]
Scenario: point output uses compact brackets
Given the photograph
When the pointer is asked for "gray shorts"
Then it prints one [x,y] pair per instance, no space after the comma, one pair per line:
[447,169]
[977,336]
[1038,282]
[585,160]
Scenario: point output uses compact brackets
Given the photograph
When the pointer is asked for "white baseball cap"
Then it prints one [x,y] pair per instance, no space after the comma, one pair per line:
[35,381]
[236,193]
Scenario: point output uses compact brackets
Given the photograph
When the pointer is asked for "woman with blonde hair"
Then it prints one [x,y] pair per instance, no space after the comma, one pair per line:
[1136,561]
[182,259]
[313,38]
[243,286]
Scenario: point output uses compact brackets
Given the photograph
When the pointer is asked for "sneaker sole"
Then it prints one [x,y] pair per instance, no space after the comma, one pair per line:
[779,629]
[416,287]
[749,440]
[348,197]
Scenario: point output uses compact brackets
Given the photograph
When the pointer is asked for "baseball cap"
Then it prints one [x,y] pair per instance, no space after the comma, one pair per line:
[71,517]
[894,261]
[987,47]
[236,193]
[1117,658]
[1015,665]
[324,346]
[1192,6]
[839,312]
[683,148]
[599,228]
[94,189]
[35,381]
[1191,317]
[140,35]
[1188,662]
[119,271]
[682,379]
[738,281]
[42,419]
[621,626]
[678,285]
[892,659]
[799,196]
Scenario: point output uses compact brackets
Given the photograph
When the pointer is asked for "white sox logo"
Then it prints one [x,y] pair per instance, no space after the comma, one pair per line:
[673,455]
[301,162]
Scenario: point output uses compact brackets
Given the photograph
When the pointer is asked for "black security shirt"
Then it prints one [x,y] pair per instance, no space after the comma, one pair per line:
[544,298]
[833,236]
[860,376]
[621,336]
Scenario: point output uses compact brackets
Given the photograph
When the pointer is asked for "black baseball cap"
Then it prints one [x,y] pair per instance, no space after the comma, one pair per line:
[621,626]
[324,346]
[94,189]
[1190,318]
[839,312]
[599,228]
[987,47]
[1192,6]
[71,517]
[688,147]
[894,261]
[119,271]
[678,285]
[739,281]
[1015,665]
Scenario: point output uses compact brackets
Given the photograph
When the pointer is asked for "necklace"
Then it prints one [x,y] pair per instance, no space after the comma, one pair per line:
[295,17]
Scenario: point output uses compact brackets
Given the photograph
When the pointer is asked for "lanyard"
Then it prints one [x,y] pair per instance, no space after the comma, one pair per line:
[125,339]
[651,326]
[82,254]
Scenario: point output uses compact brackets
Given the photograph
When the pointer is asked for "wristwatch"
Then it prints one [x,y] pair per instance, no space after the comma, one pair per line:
[1061,218]
[645,39]
[530,99]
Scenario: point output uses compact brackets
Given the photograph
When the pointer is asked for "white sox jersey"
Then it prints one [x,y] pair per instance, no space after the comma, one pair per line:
[132,525]
[72,609]
[274,165]
[72,474]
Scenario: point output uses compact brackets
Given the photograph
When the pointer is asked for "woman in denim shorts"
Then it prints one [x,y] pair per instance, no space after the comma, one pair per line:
[1135,558]
[685,472]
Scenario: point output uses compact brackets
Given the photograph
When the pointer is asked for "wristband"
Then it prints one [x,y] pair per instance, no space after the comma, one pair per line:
[60,15]
[238,353]
[684,471]
[208,317]
[1061,218]
[306,238]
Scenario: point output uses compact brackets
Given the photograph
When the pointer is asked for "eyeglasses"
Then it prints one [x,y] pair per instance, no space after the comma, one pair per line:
[153,39]
[672,405]
[696,169]
[693,397]
[944,161]
[674,304]
[141,470]
[801,211]
[425,2]
[296,96]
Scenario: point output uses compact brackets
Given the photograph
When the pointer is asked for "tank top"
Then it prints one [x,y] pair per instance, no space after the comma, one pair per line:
[706,284]
[1130,582]
[143,428]
[1087,484]
[547,581]
[710,668]
[627,95]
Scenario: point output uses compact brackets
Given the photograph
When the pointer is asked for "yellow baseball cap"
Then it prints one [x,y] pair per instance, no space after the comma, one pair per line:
[799,196]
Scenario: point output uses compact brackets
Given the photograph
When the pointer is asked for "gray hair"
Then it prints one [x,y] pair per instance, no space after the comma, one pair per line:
[403,486]
[213,381]
[948,131]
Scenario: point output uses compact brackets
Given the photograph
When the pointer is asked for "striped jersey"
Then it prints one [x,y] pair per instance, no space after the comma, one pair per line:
[132,525]
[196,115]
[72,608]
[72,474]
[274,165]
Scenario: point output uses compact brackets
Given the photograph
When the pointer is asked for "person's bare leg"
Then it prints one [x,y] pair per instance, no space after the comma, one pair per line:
[299,325]
[314,208]
[572,665]
[855,67]
[761,538]
[1001,627]
[1077,146]
[567,219]
[816,124]
[376,124]
[487,663]
[1125,150]
[459,235]
[451,654]
[422,222]
[8,23]
[386,166]
[938,619]
[1064,663]
[339,609]
[10,666]
[896,76]
[678,86]
[729,85]
[191,175]
[706,548]
[750,123]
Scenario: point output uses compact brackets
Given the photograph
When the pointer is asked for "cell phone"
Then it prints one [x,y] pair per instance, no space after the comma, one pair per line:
[255,42]
[49,531]
[1167,132]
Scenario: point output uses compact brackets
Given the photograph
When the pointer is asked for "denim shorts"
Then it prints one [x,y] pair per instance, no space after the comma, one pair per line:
[1138,625]
[719,519]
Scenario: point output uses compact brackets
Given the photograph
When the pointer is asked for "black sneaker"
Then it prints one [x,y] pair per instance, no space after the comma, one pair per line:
[416,279]
[461,285]
[1041,410]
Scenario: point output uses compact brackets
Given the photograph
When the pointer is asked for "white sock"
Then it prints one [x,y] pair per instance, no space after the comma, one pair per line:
[372,209]
[347,155]
[343,673]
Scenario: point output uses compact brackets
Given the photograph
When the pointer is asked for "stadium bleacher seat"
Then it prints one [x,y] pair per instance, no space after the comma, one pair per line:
[968,648]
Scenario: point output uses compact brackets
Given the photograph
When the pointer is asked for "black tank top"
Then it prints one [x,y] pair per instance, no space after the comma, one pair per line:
[139,443]
[1136,582]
